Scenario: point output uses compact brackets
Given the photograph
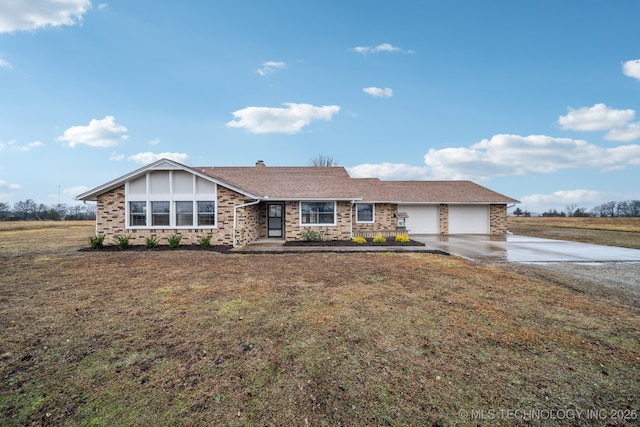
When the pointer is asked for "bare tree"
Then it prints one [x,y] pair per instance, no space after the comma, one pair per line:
[322,161]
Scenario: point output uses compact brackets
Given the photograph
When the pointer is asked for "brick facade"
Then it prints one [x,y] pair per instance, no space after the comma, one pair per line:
[110,221]
[443,215]
[498,219]
[251,221]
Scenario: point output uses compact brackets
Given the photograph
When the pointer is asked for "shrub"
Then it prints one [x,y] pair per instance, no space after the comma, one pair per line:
[174,240]
[379,239]
[97,241]
[151,242]
[205,242]
[359,240]
[309,235]
[402,239]
[123,242]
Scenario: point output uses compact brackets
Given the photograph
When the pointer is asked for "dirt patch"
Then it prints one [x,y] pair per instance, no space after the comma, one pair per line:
[202,338]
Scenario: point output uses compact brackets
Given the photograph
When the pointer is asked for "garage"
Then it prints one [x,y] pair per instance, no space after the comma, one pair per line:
[423,219]
[468,219]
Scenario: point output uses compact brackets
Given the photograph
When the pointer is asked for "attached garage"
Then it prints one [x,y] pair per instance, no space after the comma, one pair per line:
[422,219]
[469,219]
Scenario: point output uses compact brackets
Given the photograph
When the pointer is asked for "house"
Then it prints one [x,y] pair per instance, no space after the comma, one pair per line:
[238,205]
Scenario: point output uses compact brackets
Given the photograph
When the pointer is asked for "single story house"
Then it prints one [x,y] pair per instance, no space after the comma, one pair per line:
[238,205]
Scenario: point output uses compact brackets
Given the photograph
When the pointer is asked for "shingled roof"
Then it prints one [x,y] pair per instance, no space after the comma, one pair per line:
[288,182]
[321,183]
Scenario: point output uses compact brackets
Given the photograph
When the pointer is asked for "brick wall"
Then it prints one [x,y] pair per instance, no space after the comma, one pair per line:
[498,219]
[443,214]
[110,221]
[385,219]
[341,231]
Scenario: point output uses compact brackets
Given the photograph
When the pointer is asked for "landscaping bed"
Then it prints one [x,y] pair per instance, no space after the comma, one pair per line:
[143,248]
[351,243]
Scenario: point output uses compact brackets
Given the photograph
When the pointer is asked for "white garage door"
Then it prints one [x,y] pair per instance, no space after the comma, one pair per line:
[468,219]
[423,219]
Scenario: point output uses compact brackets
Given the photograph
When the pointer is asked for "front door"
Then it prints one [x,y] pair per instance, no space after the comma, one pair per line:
[275,216]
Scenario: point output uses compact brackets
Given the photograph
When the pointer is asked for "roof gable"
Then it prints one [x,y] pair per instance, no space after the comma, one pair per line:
[159,165]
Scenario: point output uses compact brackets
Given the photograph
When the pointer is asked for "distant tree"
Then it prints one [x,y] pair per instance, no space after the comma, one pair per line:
[322,160]
[526,213]
[553,212]
[75,212]
[605,209]
[90,211]
[580,212]
[628,208]
[25,210]
[61,209]
[518,212]
[5,210]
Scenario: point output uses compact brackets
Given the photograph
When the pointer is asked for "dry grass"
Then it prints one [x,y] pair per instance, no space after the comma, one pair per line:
[200,338]
[623,232]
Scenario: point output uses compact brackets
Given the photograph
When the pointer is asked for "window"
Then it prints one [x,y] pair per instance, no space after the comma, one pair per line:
[137,214]
[318,213]
[160,214]
[364,212]
[184,214]
[206,213]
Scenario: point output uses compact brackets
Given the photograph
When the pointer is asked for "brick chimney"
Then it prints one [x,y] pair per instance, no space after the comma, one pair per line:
[260,164]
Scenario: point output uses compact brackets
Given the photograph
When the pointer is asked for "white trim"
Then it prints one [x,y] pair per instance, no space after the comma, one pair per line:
[335,213]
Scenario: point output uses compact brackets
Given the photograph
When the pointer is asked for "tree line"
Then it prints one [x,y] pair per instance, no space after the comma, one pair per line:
[29,210]
[628,208]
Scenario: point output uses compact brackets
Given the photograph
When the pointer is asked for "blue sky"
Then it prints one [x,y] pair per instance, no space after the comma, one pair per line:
[535,99]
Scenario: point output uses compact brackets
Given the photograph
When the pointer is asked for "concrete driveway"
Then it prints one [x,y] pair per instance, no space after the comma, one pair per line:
[524,249]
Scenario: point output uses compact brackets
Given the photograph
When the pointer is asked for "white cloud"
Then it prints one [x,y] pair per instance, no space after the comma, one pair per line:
[7,185]
[99,133]
[30,146]
[379,92]
[397,171]
[287,120]
[598,117]
[74,191]
[270,67]
[31,15]
[116,156]
[508,155]
[630,132]
[5,64]
[632,68]
[384,47]
[148,157]
[154,141]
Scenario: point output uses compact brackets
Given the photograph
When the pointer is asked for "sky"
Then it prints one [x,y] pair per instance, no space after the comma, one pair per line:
[535,99]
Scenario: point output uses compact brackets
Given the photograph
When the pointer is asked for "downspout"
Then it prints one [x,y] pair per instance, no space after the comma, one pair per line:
[353,202]
[235,217]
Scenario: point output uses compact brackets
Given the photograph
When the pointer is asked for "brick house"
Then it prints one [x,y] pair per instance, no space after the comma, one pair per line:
[238,205]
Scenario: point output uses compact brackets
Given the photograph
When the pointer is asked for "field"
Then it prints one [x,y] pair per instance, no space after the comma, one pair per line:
[623,232]
[197,338]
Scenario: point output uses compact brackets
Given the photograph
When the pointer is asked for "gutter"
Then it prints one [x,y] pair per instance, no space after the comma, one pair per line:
[235,217]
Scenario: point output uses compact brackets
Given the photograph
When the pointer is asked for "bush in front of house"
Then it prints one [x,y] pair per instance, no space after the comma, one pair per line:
[379,239]
[174,240]
[123,242]
[151,242]
[310,235]
[402,239]
[97,241]
[205,242]
[359,240]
